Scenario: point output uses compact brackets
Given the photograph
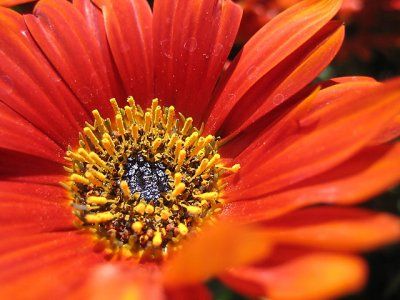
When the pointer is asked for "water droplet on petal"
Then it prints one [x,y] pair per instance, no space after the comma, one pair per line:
[278,99]
[231,97]
[217,49]
[191,44]
[252,73]
[165,44]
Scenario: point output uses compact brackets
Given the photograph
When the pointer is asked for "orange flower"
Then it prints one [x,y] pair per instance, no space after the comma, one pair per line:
[160,204]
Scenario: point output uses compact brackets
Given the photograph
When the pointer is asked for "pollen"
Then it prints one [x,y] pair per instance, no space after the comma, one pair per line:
[144,179]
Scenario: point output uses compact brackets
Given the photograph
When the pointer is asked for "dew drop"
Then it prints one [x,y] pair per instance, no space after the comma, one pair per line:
[278,99]
[191,44]
[231,97]
[165,48]
[217,49]
[252,73]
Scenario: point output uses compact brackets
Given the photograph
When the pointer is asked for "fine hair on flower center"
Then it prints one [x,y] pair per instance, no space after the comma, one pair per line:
[143,180]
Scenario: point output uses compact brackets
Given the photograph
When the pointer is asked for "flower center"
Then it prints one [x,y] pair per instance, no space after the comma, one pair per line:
[143,181]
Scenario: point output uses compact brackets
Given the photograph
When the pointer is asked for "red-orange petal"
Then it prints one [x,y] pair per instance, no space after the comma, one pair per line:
[17,134]
[121,280]
[46,265]
[285,79]
[128,25]
[16,166]
[367,174]
[192,40]
[309,276]
[213,250]
[278,39]
[60,31]
[334,228]
[26,74]
[28,208]
[315,139]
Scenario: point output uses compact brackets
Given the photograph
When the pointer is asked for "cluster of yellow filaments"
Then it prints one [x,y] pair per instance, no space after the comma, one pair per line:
[144,180]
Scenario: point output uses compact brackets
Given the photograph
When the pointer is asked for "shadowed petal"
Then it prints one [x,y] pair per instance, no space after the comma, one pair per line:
[129,33]
[367,174]
[61,32]
[192,40]
[26,74]
[265,50]
[317,136]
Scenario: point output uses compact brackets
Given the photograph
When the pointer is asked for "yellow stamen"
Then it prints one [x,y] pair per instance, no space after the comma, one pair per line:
[181,157]
[115,106]
[129,114]
[182,229]
[89,133]
[157,239]
[97,200]
[157,142]
[108,146]
[172,141]
[79,179]
[135,131]
[207,196]
[179,189]
[137,227]
[213,161]
[177,178]
[149,209]
[100,217]
[93,179]
[202,167]
[187,126]
[97,160]
[165,214]
[125,188]
[170,118]
[120,124]
[85,155]
[194,210]
[147,121]
[140,208]
[191,140]
[99,120]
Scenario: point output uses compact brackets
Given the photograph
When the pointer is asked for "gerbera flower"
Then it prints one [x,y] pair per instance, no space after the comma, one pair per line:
[193,172]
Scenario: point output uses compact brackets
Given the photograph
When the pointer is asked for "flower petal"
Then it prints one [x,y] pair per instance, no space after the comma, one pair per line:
[61,32]
[22,167]
[333,228]
[286,79]
[26,74]
[212,251]
[367,174]
[17,134]
[47,265]
[278,39]
[192,40]
[129,32]
[316,138]
[28,208]
[122,280]
[300,276]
